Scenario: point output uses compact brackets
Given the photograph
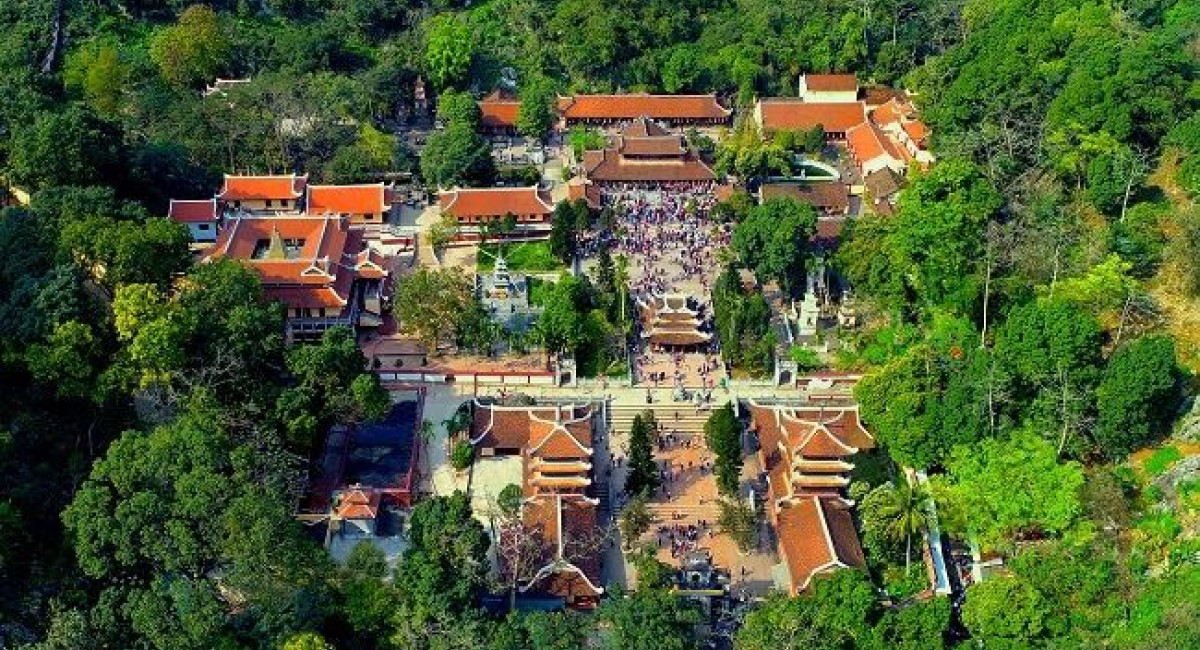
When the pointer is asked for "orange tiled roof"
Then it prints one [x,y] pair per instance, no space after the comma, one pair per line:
[579,188]
[816,535]
[633,106]
[658,145]
[828,195]
[261,188]
[326,258]
[831,82]
[359,503]
[868,143]
[568,526]
[489,201]
[499,110]
[610,165]
[794,115]
[203,211]
[347,199]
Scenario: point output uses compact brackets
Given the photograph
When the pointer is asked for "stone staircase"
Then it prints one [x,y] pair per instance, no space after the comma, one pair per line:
[671,416]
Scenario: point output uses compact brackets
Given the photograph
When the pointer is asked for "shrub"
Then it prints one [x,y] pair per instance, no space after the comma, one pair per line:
[461,455]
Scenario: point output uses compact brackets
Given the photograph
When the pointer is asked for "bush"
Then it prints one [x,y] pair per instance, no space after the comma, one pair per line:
[462,455]
[1162,460]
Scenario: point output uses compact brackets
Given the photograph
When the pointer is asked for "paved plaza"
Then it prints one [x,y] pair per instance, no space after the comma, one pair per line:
[674,248]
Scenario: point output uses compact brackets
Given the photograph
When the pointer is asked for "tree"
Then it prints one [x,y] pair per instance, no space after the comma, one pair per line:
[739,520]
[918,626]
[649,619]
[838,613]
[564,228]
[457,155]
[894,516]
[97,73]
[983,476]
[449,48]
[560,326]
[445,566]
[635,519]
[642,477]
[71,147]
[565,630]
[537,112]
[723,435]
[1004,613]
[430,302]
[1138,396]
[193,51]
[307,641]
[461,456]
[773,240]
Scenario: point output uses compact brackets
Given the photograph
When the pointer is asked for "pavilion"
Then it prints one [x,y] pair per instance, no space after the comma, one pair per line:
[644,152]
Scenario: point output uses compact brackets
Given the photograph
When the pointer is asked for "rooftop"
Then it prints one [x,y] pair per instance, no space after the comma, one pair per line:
[632,106]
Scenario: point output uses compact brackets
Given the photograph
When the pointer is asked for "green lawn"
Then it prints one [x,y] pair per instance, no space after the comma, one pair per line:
[530,257]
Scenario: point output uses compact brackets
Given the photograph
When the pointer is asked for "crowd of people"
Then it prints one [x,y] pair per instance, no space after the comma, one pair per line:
[672,243]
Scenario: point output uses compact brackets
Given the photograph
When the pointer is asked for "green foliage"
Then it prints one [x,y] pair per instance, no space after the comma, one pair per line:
[449,48]
[983,475]
[635,519]
[1162,459]
[892,517]
[457,155]
[446,564]
[72,147]
[1139,395]
[738,520]
[568,219]
[193,51]
[431,303]
[461,456]
[839,613]
[649,619]
[743,323]
[773,241]
[932,397]
[538,110]
[642,476]
[723,435]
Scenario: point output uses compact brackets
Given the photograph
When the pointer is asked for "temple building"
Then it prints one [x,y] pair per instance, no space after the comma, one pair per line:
[830,198]
[804,451]
[472,208]
[675,110]
[363,204]
[644,152]
[672,322]
[201,218]
[788,114]
[831,88]
[554,444]
[498,113]
[263,193]
[317,266]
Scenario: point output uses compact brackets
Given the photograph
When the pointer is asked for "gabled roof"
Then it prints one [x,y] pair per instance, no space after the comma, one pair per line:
[565,522]
[489,201]
[347,199]
[187,211]
[828,195]
[831,82]
[816,534]
[868,143]
[499,110]
[786,114]
[358,503]
[260,188]
[655,145]
[308,261]
[643,127]
[633,106]
[610,165]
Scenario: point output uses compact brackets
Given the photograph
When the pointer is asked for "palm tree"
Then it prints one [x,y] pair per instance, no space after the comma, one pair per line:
[901,513]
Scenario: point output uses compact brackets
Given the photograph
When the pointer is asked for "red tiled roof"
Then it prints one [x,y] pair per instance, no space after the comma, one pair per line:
[868,143]
[489,201]
[499,110]
[203,211]
[346,199]
[643,127]
[610,166]
[261,188]
[831,82]
[794,115]
[568,527]
[579,188]
[326,257]
[632,106]
[816,535]
[916,130]
[828,195]
[359,503]
[660,146]
[880,95]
